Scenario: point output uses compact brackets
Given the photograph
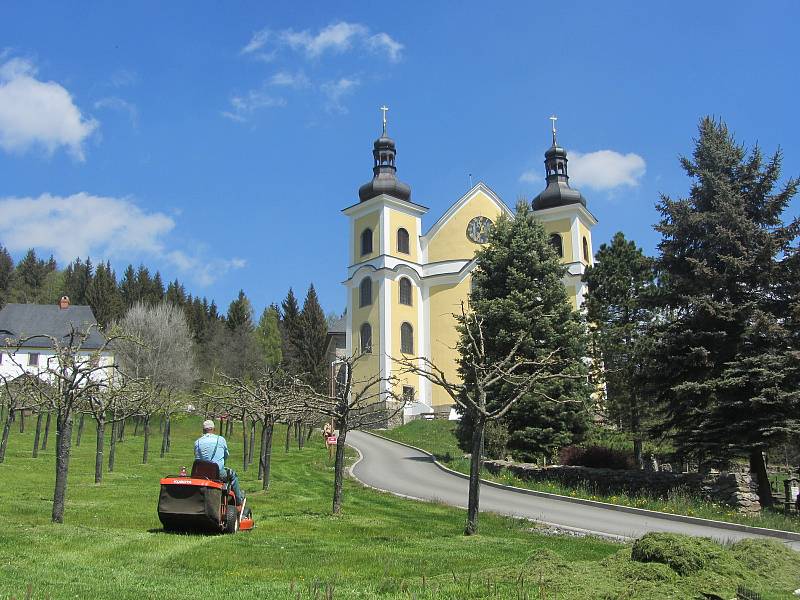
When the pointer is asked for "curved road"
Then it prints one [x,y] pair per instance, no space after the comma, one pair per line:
[401,470]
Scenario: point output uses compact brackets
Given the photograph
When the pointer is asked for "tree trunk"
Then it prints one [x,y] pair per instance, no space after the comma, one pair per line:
[759,468]
[164,430]
[308,434]
[252,442]
[261,454]
[112,446]
[638,451]
[169,434]
[22,420]
[80,431]
[136,420]
[121,431]
[338,468]
[475,477]
[6,431]
[37,434]
[244,442]
[98,449]
[266,451]
[63,449]
[288,434]
[146,439]
[46,431]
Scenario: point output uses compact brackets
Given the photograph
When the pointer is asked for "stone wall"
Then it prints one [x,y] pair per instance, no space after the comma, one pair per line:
[737,490]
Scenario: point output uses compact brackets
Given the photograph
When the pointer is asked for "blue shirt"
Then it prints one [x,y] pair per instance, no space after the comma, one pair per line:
[213,448]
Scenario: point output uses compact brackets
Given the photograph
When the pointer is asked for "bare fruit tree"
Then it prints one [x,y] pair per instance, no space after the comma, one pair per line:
[79,367]
[354,402]
[15,393]
[272,395]
[158,350]
[476,396]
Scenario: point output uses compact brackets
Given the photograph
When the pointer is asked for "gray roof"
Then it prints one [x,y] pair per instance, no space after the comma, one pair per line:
[338,326]
[23,320]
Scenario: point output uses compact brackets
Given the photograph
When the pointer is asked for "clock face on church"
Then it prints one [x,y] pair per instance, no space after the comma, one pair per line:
[478,229]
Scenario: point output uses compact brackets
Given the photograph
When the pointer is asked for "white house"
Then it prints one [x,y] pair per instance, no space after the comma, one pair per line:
[40,323]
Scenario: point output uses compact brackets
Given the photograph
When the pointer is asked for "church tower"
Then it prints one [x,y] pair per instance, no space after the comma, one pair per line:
[562,210]
[384,300]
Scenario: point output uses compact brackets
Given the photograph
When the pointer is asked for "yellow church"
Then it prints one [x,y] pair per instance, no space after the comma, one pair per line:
[404,284]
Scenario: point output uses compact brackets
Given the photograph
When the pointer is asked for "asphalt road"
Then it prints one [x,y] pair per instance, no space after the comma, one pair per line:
[401,470]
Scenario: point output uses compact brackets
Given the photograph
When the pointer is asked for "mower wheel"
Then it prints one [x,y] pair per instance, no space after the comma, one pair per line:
[231,519]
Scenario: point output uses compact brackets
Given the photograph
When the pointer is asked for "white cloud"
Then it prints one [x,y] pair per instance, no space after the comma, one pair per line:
[118,104]
[383,42]
[204,271]
[294,80]
[38,113]
[101,227]
[336,38]
[80,225]
[531,177]
[605,169]
[256,42]
[243,106]
[335,91]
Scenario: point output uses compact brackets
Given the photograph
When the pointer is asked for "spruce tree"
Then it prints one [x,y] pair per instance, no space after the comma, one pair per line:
[240,313]
[290,332]
[620,282]
[268,336]
[27,279]
[722,367]
[129,288]
[517,286]
[77,278]
[103,295]
[313,331]
[6,272]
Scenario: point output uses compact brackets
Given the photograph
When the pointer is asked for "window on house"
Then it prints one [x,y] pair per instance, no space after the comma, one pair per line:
[366,338]
[406,338]
[555,242]
[365,292]
[402,241]
[405,291]
[585,250]
[366,242]
[33,359]
[408,393]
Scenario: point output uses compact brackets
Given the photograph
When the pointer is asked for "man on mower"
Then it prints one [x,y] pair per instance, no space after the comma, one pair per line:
[214,448]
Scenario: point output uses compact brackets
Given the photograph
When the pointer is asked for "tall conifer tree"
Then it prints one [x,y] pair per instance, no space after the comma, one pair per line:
[313,328]
[268,335]
[722,367]
[517,286]
[103,295]
[620,282]
[290,331]
[6,272]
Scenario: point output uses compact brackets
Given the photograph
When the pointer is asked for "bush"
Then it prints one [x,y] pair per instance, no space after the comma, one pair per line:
[495,440]
[683,553]
[598,457]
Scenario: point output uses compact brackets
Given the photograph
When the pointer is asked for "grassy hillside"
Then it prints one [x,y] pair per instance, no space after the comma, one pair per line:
[111,545]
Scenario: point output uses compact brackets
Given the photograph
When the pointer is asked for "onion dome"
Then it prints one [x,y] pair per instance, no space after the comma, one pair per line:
[557,192]
[384,180]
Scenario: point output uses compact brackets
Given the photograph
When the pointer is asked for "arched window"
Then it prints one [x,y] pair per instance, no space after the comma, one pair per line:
[405,291]
[366,338]
[555,242]
[402,241]
[406,339]
[365,292]
[366,241]
[585,250]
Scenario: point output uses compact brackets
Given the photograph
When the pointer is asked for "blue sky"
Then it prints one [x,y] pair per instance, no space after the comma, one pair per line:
[217,142]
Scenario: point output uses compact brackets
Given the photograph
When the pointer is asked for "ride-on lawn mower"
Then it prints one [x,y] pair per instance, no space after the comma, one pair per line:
[201,502]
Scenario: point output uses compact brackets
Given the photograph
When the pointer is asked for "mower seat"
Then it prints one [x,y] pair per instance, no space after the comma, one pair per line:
[205,469]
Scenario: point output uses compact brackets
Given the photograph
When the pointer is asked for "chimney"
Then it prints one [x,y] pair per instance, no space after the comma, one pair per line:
[63,303]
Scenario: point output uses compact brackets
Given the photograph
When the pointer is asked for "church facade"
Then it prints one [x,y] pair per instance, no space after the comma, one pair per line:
[405,284]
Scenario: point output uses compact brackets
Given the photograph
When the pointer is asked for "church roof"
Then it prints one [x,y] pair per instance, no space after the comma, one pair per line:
[47,320]
[384,170]
[558,192]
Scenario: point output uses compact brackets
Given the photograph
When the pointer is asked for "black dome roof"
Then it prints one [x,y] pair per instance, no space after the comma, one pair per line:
[557,192]
[384,171]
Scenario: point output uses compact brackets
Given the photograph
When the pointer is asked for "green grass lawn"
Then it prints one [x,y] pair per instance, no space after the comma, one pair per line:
[112,546]
[437,437]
